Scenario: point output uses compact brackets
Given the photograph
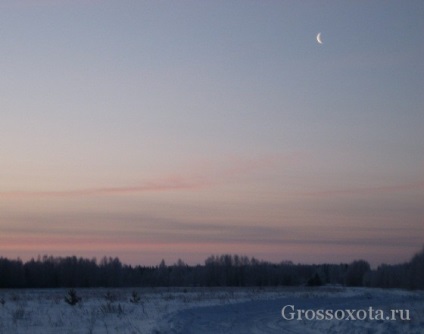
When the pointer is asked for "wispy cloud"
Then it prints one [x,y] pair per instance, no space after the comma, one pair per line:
[368,190]
[200,176]
[168,184]
[179,233]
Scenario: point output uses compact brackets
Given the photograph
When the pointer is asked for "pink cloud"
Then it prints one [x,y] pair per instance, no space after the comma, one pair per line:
[203,175]
[168,184]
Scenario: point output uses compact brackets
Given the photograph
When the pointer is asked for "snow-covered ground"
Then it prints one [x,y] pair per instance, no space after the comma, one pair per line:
[203,310]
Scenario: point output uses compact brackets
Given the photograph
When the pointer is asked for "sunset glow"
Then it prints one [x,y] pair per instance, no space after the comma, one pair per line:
[151,130]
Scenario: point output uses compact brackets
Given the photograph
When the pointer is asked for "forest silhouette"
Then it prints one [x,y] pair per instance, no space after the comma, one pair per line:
[217,271]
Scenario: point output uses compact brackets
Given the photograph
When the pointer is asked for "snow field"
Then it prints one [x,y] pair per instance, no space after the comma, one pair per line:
[173,310]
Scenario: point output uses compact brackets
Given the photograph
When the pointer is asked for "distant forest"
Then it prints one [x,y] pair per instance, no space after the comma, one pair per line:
[218,270]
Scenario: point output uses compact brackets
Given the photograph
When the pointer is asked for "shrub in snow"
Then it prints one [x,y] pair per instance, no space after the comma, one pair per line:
[110,297]
[135,298]
[112,309]
[72,298]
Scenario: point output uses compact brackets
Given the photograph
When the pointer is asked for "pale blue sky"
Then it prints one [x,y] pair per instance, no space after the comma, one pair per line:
[186,128]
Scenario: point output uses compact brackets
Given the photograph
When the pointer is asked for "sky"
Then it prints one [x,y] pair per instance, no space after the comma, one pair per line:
[152,130]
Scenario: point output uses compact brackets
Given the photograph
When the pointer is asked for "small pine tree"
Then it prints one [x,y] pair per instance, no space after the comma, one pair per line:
[72,298]
[135,298]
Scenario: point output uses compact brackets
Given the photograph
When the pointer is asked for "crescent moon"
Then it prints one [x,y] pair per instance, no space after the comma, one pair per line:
[319,38]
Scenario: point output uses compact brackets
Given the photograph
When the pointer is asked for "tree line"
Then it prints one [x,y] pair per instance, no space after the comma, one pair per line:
[217,270]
